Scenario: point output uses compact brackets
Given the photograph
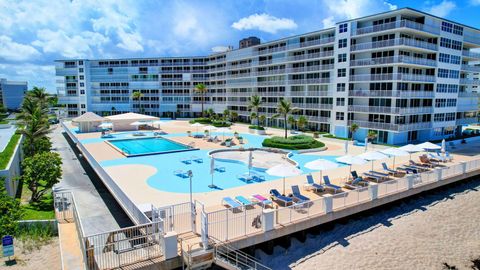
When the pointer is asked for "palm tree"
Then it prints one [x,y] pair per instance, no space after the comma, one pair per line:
[284,109]
[33,122]
[262,118]
[353,128]
[253,116]
[302,122]
[226,114]
[234,116]
[39,93]
[372,134]
[254,104]
[292,121]
[202,90]
[137,95]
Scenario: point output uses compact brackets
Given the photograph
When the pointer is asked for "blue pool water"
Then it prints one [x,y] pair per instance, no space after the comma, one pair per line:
[144,146]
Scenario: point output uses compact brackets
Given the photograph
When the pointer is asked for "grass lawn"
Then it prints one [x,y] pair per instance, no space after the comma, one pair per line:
[41,210]
[8,151]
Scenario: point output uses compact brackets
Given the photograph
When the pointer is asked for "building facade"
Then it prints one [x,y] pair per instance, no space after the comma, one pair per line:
[405,74]
[11,93]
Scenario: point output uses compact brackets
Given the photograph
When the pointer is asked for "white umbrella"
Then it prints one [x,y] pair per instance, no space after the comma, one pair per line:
[210,128]
[212,171]
[282,170]
[223,130]
[366,144]
[444,147]
[372,156]
[321,164]
[411,148]
[351,160]
[429,146]
[394,152]
[196,125]
[250,161]
[106,125]
[346,147]
[137,123]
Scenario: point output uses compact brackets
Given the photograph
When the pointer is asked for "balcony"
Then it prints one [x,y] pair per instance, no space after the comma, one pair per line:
[317,42]
[390,126]
[393,59]
[469,81]
[397,24]
[470,68]
[394,42]
[466,121]
[244,65]
[389,110]
[470,54]
[310,56]
[320,119]
[272,50]
[467,94]
[309,81]
[392,77]
[310,68]
[468,106]
[475,39]
[394,93]
[68,99]
[314,93]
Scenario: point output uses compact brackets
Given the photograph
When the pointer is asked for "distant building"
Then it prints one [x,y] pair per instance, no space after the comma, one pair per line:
[248,42]
[11,93]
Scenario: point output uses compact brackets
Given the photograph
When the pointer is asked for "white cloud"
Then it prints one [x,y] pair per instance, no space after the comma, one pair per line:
[13,51]
[350,9]
[442,9]
[390,6]
[264,22]
[219,49]
[475,2]
[130,41]
[70,46]
[328,22]
[36,75]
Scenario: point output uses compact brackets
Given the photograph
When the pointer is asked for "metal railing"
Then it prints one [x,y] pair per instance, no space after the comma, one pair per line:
[391,93]
[397,24]
[393,76]
[392,110]
[393,59]
[227,224]
[391,126]
[394,42]
[471,54]
[233,257]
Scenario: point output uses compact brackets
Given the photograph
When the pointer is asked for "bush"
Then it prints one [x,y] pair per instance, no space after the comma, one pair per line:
[294,142]
[201,120]
[334,137]
[207,121]
[221,124]
[256,127]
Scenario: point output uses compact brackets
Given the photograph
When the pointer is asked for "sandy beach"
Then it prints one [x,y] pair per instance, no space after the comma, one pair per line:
[424,232]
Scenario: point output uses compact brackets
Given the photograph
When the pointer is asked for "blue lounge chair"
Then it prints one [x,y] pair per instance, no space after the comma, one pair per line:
[357,183]
[329,185]
[186,161]
[286,200]
[220,169]
[388,170]
[246,177]
[355,175]
[197,159]
[257,177]
[181,173]
[244,201]
[374,177]
[296,194]
[231,203]
[311,184]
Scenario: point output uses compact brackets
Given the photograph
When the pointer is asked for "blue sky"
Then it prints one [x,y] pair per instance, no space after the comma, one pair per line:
[35,33]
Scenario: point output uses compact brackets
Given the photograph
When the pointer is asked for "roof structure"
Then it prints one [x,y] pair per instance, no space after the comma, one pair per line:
[131,117]
[88,117]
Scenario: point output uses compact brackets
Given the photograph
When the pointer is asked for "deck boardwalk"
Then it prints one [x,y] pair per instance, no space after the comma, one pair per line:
[72,258]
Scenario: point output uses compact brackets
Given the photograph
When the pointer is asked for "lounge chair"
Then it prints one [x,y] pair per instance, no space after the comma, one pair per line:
[384,175]
[425,160]
[257,177]
[297,195]
[138,133]
[329,185]
[231,203]
[181,173]
[436,158]
[284,199]
[357,183]
[419,165]
[312,185]
[186,161]
[220,168]
[244,201]
[388,170]
[262,200]
[246,177]
[448,156]
[197,159]
[408,169]
[355,175]
[374,177]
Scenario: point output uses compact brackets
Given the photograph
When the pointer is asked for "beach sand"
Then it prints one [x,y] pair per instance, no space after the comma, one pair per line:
[423,232]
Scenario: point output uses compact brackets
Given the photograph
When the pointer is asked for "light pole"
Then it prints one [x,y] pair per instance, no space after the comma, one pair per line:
[190,175]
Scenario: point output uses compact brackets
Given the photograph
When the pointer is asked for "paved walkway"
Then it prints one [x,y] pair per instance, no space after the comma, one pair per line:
[72,258]
[98,210]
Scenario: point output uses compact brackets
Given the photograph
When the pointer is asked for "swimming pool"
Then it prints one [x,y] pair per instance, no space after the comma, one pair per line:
[147,146]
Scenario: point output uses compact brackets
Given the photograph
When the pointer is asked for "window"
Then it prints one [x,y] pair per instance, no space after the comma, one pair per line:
[341,72]
[449,116]
[80,70]
[455,59]
[447,27]
[458,30]
[82,77]
[82,106]
[340,87]
[82,84]
[454,74]
[442,73]
[340,116]
[82,92]
[80,63]
[447,88]
[342,57]
[342,43]
[444,58]
[343,28]
[456,45]
[445,42]
[340,101]
[439,117]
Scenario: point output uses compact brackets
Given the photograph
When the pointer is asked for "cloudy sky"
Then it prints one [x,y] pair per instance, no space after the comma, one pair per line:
[35,33]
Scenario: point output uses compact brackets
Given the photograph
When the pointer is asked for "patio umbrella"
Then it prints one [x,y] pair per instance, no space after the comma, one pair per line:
[196,125]
[366,144]
[210,128]
[372,156]
[351,160]
[394,152]
[282,170]
[444,147]
[212,171]
[411,148]
[137,123]
[223,130]
[346,147]
[429,146]
[321,164]
[106,125]
[250,161]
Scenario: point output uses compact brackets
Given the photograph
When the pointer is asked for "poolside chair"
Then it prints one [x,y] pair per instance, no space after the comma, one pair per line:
[355,175]
[419,165]
[357,183]
[297,195]
[231,203]
[426,161]
[246,177]
[312,185]
[138,133]
[186,161]
[408,169]
[329,185]
[197,159]
[257,177]
[448,156]
[262,200]
[388,170]
[379,174]
[374,177]
[181,173]
[220,169]
[244,201]
[284,199]
[436,158]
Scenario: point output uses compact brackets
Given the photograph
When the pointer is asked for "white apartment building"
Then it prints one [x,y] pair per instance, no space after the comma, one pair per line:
[404,73]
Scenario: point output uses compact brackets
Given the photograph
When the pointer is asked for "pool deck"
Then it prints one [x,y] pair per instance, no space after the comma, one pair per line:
[132,178]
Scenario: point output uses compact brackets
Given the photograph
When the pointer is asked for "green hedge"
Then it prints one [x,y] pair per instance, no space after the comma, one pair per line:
[8,151]
[207,121]
[334,137]
[256,127]
[294,142]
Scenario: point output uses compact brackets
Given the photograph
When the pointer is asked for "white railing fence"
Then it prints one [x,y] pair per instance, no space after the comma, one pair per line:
[227,224]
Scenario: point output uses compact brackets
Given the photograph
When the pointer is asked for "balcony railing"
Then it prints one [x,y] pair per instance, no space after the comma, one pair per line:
[317,42]
[475,39]
[393,59]
[393,76]
[466,121]
[394,93]
[310,56]
[312,93]
[397,24]
[471,68]
[309,81]
[470,81]
[389,110]
[394,42]
[390,126]
[471,54]
[468,94]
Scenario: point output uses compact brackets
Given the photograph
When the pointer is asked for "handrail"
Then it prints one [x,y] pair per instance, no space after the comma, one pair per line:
[224,251]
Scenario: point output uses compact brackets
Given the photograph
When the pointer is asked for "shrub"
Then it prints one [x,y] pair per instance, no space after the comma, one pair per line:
[334,137]
[221,124]
[294,142]
[201,120]
[256,127]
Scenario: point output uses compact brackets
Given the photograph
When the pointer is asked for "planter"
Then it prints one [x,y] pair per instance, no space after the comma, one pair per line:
[228,143]
[251,130]
[261,132]
[240,140]
[189,133]
[236,135]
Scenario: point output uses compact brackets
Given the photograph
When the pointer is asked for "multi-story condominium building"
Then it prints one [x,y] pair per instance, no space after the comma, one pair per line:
[11,93]
[404,73]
